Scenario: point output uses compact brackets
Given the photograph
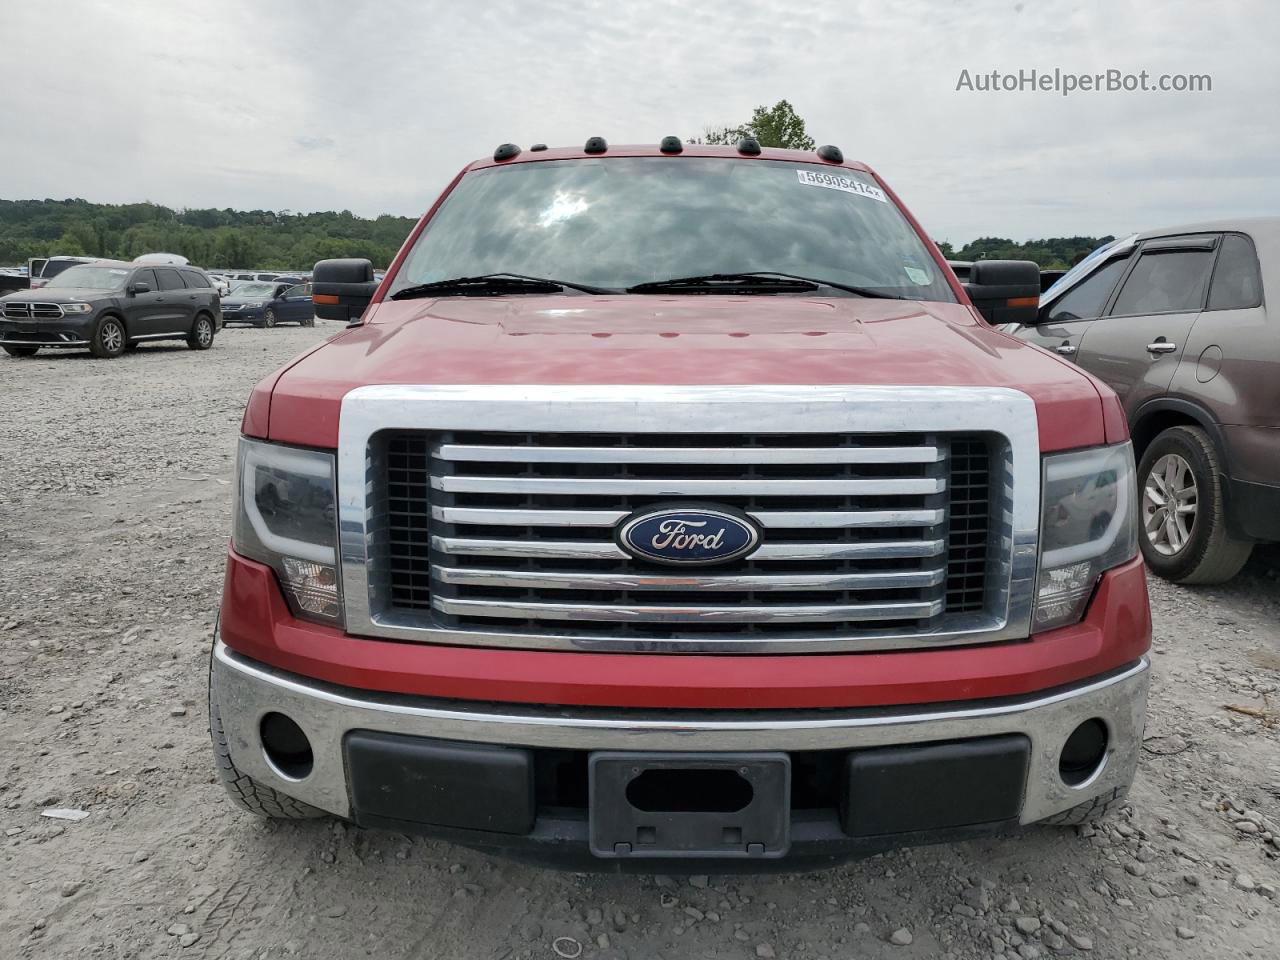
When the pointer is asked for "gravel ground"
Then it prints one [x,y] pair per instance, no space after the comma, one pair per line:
[114,513]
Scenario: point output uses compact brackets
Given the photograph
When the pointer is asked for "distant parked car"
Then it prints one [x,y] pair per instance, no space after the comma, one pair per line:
[264,304]
[111,306]
[1176,322]
[43,269]
[220,283]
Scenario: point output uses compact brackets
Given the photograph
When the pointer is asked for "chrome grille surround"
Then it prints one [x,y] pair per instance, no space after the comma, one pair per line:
[1006,415]
[28,310]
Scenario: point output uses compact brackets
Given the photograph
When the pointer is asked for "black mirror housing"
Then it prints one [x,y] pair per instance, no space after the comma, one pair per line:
[341,289]
[1005,291]
[140,287]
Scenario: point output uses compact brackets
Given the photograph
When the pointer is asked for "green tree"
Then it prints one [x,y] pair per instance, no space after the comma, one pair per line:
[776,126]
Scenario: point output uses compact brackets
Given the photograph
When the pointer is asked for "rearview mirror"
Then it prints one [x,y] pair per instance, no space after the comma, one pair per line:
[1005,291]
[140,287]
[342,289]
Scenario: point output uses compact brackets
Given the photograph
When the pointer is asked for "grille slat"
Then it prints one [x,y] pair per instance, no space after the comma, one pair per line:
[882,534]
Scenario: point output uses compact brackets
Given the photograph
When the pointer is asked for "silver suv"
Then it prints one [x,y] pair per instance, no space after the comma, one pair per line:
[1176,322]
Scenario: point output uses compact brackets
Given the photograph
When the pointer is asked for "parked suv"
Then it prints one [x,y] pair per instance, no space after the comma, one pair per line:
[110,306]
[671,507]
[1176,321]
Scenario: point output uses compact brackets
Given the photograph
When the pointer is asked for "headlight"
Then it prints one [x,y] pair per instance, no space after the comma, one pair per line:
[70,308]
[1088,526]
[286,518]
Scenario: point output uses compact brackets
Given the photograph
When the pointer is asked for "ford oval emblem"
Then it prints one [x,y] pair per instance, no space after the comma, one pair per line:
[692,536]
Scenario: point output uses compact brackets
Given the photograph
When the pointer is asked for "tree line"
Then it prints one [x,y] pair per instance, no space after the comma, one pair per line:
[279,240]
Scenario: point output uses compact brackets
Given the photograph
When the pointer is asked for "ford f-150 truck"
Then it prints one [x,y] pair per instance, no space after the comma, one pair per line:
[675,506]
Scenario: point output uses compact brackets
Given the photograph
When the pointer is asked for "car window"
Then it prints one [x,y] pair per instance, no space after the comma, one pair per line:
[1237,283]
[146,276]
[1086,300]
[1165,281]
[170,279]
[299,290]
[194,279]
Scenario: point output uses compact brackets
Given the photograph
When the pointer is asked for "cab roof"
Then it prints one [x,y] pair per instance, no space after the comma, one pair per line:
[528,155]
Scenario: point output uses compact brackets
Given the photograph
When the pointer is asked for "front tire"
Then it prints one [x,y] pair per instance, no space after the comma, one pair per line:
[269,319]
[246,792]
[109,339]
[21,351]
[201,336]
[1184,523]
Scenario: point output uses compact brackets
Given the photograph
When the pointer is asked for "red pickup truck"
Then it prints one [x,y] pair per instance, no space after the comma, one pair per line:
[675,507]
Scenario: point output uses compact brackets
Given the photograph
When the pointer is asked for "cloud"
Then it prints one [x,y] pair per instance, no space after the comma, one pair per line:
[374,107]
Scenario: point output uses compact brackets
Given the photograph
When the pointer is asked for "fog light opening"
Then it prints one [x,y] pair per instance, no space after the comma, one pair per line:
[286,747]
[1084,753]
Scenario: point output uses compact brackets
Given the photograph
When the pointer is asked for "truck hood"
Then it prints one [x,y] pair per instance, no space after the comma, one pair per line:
[714,340]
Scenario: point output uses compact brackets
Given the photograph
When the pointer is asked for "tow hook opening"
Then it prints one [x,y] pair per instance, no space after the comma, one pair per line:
[1084,753]
[683,790]
[286,747]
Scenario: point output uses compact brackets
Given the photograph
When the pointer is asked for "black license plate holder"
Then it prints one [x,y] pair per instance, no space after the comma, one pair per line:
[690,805]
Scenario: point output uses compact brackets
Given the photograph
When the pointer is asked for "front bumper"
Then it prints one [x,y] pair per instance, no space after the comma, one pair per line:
[47,333]
[246,691]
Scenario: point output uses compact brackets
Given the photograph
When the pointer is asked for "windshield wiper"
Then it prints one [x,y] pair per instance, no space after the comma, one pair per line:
[759,281]
[491,283]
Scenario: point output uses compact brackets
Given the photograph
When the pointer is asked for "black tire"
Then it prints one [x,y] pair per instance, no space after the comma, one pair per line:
[1206,552]
[307,322]
[21,351]
[269,318]
[109,339]
[201,336]
[1091,811]
[245,791]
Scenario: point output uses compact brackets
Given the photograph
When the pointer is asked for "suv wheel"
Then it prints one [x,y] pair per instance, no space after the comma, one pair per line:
[1184,522]
[109,340]
[21,351]
[269,318]
[201,336]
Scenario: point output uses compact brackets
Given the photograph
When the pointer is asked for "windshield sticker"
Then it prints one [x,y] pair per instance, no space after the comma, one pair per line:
[813,178]
[915,272]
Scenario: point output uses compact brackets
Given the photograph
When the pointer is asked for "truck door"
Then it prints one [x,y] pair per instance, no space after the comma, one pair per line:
[1062,323]
[1137,346]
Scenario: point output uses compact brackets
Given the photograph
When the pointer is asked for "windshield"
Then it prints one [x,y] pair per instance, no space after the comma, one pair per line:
[619,222]
[90,278]
[253,289]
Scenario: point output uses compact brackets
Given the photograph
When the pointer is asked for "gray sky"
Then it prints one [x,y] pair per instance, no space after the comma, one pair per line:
[331,104]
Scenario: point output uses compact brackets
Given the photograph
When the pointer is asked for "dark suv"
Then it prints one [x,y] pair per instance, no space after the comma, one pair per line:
[110,307]
[1176,322]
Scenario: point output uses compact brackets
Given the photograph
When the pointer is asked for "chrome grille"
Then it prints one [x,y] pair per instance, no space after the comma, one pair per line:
[26,310]
[862,534]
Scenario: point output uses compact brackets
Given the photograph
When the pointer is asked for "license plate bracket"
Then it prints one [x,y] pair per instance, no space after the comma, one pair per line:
[690,805]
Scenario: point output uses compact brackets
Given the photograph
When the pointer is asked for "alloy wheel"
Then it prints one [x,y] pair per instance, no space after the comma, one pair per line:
[204,332]
[1169,501]
[112,337]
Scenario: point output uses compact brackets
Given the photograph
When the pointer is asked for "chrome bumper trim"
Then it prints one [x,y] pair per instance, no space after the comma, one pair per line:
[247,691]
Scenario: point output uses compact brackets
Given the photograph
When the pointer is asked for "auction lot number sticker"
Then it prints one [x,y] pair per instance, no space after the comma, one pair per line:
[813,178]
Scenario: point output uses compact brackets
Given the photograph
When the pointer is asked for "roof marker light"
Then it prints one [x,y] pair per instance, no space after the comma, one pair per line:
[830,154]
[749,147]
[537,148]
[671,145]
[595,145]
[506,151]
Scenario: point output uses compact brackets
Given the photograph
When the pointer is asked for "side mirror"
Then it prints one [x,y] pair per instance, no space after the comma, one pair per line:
[342,289]
[140,287]
[1005,291]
